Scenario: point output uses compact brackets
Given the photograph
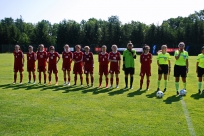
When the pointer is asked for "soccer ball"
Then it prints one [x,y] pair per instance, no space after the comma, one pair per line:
[183,92]
[160,94]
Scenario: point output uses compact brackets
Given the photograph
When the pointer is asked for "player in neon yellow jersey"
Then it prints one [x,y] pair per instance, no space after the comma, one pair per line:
[181,66]
[164,66]
[200,69]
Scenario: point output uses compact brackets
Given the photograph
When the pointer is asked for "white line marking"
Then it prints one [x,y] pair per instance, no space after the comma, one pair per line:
[188,119]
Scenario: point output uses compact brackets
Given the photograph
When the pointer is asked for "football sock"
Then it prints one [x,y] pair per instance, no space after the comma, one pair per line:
[68,79]
[131,80]
[34,77]
[107,81]
[44,77]
[141,83]
[117,80]
[126,81]
[75,78]
[21,77]
[87,81]
[49,77]
[65,79]
[56,77]
[158,83]
[39,77]
[148,81]
[199,85]
[92,79]
[15,77]
[184,85]
[81,78]
[165,83]
[111,81]
[100,80]
[29,76]
[177,86]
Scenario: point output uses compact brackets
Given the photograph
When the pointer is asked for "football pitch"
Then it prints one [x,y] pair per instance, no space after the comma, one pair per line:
[29,109]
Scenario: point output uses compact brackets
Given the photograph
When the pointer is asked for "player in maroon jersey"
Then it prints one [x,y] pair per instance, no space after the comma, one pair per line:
[42,58]
[103,65]
[18,63]
[88,61]
[114,58]
[31,58]
[145,60]
[53,58]
[67,57]
[78,64]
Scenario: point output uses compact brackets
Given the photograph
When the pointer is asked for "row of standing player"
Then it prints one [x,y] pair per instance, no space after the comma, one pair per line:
[82,62]
[85,61]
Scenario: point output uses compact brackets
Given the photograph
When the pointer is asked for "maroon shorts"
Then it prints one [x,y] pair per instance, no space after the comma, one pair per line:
[145,71]
[18,68]
[115,70]
[52,68]
[103,69]
[88,69]
[31,69]
[66,67]
[41,68]
[77,69]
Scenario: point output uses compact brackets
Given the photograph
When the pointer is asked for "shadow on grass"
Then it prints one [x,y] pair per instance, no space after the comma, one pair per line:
[101,90]
[152,95]
[197,96]
[174,98]
[117,92]
[92,89]
[72,89]
[138,92]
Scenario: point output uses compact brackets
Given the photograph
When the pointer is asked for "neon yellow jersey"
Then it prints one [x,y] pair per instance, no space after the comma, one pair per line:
[163,58]
[200,60]
[181,61]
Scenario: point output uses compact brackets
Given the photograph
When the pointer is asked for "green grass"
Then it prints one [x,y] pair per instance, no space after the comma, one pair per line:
[57,110]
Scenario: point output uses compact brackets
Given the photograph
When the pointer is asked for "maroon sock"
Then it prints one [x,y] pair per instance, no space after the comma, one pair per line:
[148,81]
[45,78]
[141,83]
[117,80]
[21,77]
[34,77]
[106,81]
[39,77]
[92,80]
[100,80]
[15,77]
[29,77]
[87,81]
[111,81]
[49,77]
[75,78]
[81,78]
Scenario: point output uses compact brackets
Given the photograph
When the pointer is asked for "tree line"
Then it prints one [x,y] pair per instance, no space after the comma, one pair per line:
[96,33]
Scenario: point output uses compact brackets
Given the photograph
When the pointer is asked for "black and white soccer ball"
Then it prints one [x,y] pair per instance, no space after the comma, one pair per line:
[160,94]
[182,92]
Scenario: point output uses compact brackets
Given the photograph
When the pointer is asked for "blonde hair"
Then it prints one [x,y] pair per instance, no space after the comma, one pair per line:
[181,43]
[104,46]
[164,46]
[86,47]
[114,45]
[79,46]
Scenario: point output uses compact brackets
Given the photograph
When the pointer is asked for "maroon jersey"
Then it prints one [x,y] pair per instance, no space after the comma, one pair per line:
[67,58]
[42,58]
[103,58]
[53,57]
[114,56]
[88,59]
[31,58]
[78,57]
[146,60]
[18,56]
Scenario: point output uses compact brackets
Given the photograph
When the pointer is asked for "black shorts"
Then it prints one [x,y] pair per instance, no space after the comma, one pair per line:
[179,71]
[200,72]
[164,69]
[130,71]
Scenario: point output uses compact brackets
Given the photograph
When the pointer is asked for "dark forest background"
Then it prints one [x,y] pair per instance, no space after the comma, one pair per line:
[96,33]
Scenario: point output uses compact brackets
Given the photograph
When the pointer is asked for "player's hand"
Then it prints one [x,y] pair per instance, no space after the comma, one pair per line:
[160,68]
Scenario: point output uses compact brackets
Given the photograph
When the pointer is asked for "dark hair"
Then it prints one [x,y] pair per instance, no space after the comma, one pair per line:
[145,47]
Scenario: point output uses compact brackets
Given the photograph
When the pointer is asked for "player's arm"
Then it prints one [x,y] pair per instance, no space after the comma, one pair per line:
[35,56]
[23,59]
[151,59]
[93,59]
[197,67]
[177,55]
